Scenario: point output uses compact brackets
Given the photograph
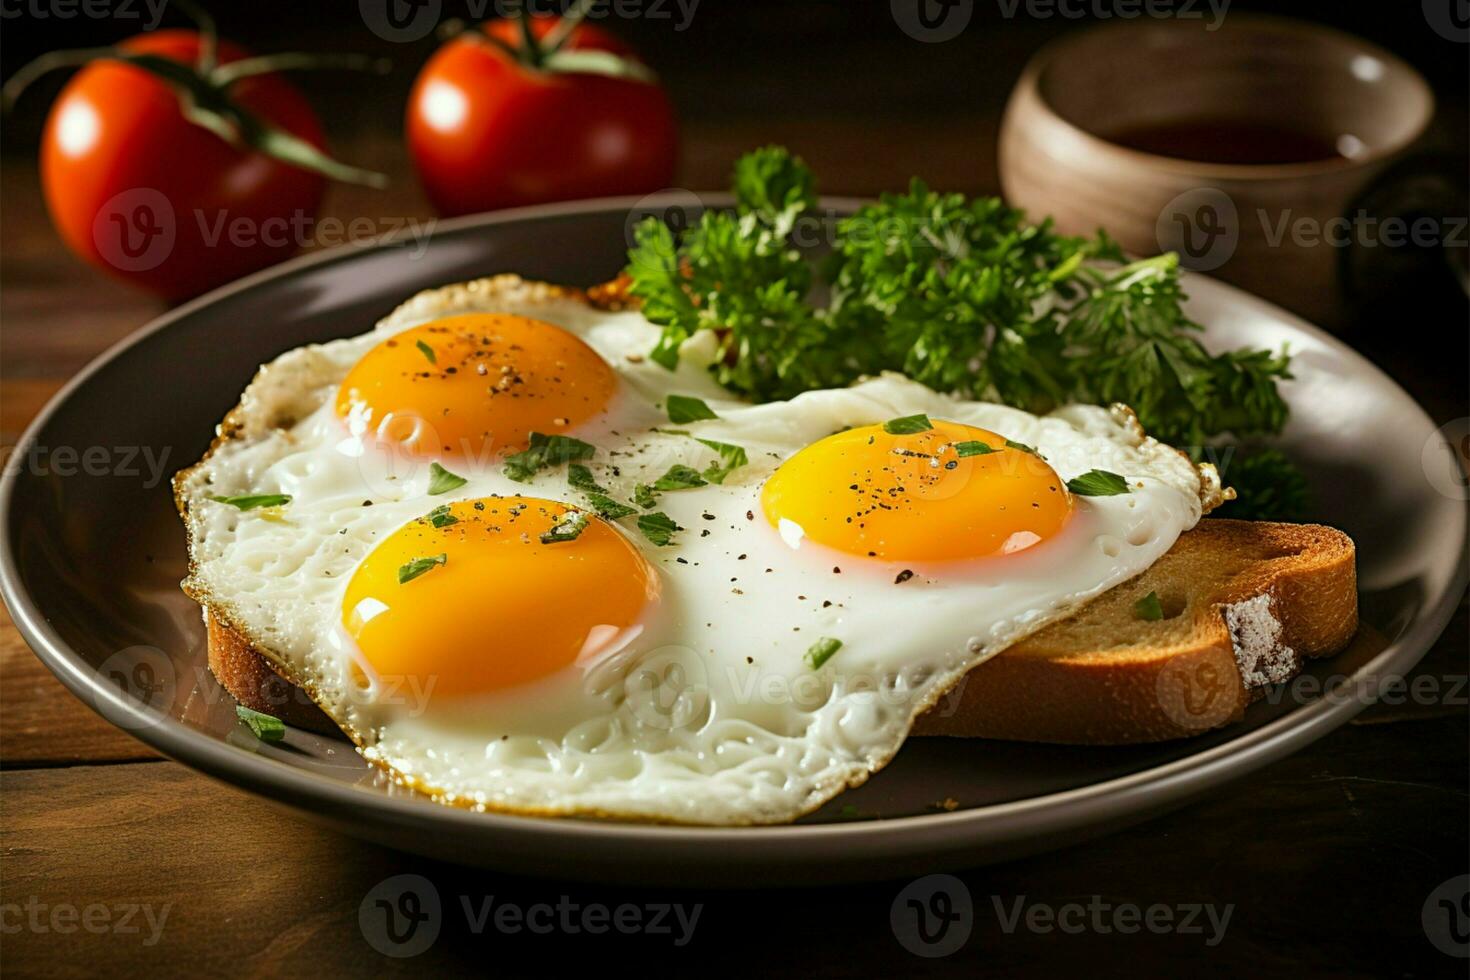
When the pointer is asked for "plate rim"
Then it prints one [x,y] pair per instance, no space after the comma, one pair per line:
[1101,803]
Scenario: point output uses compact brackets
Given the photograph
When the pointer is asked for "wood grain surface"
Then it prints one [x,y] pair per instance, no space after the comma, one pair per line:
[1325,859]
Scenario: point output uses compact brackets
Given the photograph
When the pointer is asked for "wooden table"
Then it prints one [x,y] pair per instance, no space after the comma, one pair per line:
[1325,858]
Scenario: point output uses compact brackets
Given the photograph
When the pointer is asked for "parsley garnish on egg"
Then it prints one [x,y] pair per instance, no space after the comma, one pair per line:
[443,481]
[908,425]
[567,528]
[971,447]
[683,408]
[1097,483]
[579,477]
[546,451]
[607,508]
[821,651]
[679,477]
[658,527]
[1022,447]
[254,501]
[441,517]
[411,570]
[731,459]
[683,477]
[644,496]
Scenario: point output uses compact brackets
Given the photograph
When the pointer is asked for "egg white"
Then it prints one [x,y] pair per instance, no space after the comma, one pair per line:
[710,713]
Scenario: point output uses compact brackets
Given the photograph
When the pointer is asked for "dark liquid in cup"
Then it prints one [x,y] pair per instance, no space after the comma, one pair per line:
[1228,141]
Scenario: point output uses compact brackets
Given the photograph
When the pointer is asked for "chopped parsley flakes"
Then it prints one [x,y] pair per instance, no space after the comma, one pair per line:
[567,528]
[679,477]
[267,728]
[644,496]
[254,501]
[682,408]
[971,447]
[608,508]
[443,481]
[908,425]
[1097,483]
[821,651]
[1149,607]
[413,569]
[545,451]
[579,477]
[658,527]
[731,459]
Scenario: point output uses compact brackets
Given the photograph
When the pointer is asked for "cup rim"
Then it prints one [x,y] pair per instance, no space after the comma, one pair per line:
[1029,85]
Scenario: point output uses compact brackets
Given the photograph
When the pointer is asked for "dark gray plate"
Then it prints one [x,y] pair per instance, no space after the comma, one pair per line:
[93,553]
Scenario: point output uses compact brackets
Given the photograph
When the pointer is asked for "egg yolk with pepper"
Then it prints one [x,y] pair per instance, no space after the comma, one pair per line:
[948,492]
[464,385]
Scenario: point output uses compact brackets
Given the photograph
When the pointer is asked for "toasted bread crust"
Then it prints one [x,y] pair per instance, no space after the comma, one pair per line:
[1263,598]
[1050,688]
[251,680]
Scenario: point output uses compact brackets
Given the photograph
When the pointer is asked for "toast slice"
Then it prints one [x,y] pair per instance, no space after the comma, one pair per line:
[1243,604]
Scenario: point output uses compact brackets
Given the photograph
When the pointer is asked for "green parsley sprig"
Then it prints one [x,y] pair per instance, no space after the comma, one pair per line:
[961,294]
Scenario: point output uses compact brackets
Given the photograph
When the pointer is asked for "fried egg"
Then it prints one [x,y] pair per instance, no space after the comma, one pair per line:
[773,594]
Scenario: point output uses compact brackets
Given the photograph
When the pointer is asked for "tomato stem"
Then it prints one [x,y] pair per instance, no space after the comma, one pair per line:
[562,32]
[204,100]
[226,75]
[547,55]
[592,62]
[529,45]
[208,35]
[49,62]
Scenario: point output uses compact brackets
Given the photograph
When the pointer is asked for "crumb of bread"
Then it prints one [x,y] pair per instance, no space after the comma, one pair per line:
[1255,633]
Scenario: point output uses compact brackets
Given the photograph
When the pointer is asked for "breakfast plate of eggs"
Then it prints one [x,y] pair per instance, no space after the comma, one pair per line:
[545,604]
[620,592]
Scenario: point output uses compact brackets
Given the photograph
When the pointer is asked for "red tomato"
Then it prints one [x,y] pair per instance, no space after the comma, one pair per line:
[140,192]
[485,131]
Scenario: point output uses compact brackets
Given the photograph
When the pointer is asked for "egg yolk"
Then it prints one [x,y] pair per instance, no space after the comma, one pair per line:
[951,492]
[464,384]
[480,603]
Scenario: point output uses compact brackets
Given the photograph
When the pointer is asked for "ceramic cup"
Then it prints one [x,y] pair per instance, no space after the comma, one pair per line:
[1293,232]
